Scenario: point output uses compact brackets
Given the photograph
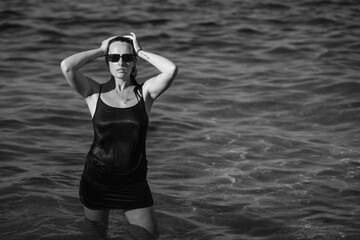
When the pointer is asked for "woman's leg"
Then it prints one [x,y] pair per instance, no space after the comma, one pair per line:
[145,218]
[100,216]
[98,220]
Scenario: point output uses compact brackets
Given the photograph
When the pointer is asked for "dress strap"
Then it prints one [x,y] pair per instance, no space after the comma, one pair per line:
[142,100]
[99,91]
[97,102]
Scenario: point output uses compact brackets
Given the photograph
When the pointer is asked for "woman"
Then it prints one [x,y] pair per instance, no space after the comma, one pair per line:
[115,171]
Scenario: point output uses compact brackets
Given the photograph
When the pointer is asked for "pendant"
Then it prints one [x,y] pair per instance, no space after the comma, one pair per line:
[127,100]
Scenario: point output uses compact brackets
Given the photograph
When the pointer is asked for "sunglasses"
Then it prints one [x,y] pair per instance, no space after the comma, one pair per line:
[125,57]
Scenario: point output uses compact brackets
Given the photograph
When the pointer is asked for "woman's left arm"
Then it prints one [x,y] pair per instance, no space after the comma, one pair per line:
[157,85]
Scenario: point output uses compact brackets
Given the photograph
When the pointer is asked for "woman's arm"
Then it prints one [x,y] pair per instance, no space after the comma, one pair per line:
[77,80]
[158,84]
[70,66]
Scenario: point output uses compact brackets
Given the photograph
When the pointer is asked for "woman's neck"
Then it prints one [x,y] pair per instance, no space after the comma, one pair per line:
[121,84]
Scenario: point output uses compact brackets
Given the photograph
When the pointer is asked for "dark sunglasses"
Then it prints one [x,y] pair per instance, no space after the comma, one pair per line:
[125,57]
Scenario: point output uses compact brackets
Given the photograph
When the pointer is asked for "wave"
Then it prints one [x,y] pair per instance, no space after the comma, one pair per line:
[348,88]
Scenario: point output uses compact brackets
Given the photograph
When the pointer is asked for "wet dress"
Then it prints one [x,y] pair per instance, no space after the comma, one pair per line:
[114,175]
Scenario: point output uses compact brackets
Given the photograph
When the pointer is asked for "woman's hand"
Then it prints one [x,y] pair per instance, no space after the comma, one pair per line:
[136,44]
[105,44]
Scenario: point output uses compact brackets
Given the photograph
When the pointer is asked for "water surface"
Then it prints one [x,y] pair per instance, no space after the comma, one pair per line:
[256,139]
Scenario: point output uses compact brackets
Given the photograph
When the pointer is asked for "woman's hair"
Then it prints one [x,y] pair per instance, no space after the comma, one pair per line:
[121,39]
[134,70]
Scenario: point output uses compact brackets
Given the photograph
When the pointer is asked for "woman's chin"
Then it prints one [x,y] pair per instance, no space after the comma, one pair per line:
[121,75]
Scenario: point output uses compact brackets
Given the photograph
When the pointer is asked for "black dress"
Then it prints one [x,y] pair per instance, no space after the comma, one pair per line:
[115,170]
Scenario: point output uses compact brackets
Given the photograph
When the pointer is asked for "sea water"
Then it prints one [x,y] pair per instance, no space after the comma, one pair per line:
[257,138]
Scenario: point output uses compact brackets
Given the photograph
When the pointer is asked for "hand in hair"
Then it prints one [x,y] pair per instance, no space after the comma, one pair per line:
[136,44]
[105,44]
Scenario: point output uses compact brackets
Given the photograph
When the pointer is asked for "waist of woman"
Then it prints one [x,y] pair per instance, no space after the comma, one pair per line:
[112,166]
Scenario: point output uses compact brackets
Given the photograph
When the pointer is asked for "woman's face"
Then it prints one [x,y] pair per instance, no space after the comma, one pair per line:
[121,69]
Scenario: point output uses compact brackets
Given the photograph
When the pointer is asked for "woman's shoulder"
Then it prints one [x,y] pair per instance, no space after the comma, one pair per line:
[96,87]
[90,88]
[107,86]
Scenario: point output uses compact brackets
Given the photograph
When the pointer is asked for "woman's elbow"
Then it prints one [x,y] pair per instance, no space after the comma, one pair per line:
[64,67]
[173,70]
[68,72]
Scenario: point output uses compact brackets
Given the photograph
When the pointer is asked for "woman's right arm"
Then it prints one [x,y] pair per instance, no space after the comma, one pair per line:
[70,67]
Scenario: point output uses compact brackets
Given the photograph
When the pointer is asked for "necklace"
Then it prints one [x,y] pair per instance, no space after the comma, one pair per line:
[127,99]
